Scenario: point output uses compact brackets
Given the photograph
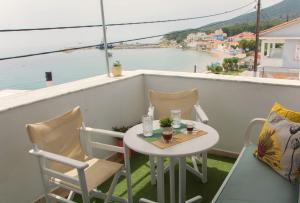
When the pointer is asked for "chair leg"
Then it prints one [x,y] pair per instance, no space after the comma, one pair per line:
[202,159]
[71,195]
[112,187]
[128,174]
[42,164]
[83,186]
[152,169]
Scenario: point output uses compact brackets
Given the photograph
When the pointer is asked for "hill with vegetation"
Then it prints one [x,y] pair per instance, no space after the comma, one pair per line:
[271,16]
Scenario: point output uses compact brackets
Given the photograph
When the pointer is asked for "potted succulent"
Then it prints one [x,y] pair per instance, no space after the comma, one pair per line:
[167,131]
[117,69]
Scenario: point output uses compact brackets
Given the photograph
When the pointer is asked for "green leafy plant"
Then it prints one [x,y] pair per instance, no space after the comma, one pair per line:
[166,122]
[122,129]
[215,68]
[117,63]
[247,45]
[230,64]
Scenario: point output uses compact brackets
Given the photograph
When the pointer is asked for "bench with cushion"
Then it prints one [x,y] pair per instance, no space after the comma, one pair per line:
[251,180]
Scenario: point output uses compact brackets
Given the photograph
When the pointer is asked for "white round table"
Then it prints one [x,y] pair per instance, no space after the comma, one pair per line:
[181,151]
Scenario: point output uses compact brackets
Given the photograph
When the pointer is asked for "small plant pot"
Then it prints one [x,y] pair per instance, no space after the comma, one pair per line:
[120,143]
[167,134]
[116,71]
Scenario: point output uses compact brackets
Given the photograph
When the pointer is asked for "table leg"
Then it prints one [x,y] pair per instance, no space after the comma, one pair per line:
[182,179]
[160,180]
[152,169]
[172,179]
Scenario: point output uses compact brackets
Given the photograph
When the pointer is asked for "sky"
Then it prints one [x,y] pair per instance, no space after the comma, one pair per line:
[16,14]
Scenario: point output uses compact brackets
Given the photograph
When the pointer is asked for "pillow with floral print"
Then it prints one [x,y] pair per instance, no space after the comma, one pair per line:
[279,146]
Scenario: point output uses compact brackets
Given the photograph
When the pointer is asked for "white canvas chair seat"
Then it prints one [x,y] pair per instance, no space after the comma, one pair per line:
[96,173]
[64,163]
[161,104]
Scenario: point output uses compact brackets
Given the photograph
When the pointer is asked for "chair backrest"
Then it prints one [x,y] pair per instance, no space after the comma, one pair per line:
[60,135]
[164,102]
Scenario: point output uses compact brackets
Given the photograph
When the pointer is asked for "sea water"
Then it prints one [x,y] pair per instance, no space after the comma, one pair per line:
[29,73]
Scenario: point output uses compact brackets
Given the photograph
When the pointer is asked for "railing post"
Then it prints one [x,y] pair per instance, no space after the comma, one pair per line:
[49,81]
[104,37]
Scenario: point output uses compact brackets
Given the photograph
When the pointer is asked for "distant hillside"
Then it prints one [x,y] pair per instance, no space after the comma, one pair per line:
[273,15]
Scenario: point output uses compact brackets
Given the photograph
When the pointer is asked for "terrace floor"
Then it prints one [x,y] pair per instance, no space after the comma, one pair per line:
[218,168]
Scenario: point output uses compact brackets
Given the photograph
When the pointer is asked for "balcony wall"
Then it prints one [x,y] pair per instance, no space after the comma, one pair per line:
[104,103]
[230,102]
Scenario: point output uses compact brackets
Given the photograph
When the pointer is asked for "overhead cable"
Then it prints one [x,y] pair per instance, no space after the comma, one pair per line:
[127,23]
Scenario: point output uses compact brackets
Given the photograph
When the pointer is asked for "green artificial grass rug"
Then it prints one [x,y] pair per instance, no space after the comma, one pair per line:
[218,168]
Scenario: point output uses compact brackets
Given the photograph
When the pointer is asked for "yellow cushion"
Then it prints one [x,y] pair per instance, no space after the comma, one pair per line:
[287,113]
[279,142]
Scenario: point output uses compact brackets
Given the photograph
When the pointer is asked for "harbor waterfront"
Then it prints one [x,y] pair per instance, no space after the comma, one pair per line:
[29,73]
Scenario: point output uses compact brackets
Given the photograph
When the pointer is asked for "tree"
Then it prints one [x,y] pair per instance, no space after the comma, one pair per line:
[230,64]
[247,45]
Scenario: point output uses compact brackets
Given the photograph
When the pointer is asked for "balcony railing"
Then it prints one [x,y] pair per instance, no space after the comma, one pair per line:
[229,101]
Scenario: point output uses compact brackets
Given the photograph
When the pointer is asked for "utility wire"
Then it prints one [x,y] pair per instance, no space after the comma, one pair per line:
[77,48]
[128,23]
[95,45]
[183,19]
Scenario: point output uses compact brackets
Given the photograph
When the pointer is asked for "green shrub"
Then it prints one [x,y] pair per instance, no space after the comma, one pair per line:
[230,64]
[215,68]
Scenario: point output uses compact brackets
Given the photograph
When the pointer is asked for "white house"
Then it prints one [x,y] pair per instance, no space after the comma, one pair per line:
[280,48]
[198,36]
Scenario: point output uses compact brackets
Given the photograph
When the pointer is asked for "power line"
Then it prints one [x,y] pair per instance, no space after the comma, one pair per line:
[49,28]
[95,45]
[48,52]
[78,48]
[183,19]
[128,23]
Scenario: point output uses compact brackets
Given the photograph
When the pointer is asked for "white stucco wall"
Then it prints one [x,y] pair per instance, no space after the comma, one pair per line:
[288,56]
[104,103]
[229,101]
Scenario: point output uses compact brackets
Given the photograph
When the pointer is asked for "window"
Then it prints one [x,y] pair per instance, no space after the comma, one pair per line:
[297,52]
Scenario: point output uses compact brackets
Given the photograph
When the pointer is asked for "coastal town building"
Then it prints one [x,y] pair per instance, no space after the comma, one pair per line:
[219,35]
[280,50]
[241,36]
[198,36]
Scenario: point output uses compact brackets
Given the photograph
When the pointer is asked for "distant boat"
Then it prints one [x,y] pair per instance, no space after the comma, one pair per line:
[101,46]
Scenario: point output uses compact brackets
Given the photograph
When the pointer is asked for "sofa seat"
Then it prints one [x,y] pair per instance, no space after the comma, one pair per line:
[254,181]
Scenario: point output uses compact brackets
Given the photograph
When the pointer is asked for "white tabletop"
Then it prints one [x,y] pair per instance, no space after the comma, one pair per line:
[193,146]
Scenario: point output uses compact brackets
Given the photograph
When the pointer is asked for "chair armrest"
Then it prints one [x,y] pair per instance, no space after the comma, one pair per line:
[99,145]
[59,158]
[200,114]
[103,132]
[251,124]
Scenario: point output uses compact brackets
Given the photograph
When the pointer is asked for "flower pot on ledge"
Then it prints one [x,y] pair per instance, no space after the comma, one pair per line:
[117,69]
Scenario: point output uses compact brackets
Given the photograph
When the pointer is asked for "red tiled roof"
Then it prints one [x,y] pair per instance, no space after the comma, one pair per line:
[281,26]
[244,35]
